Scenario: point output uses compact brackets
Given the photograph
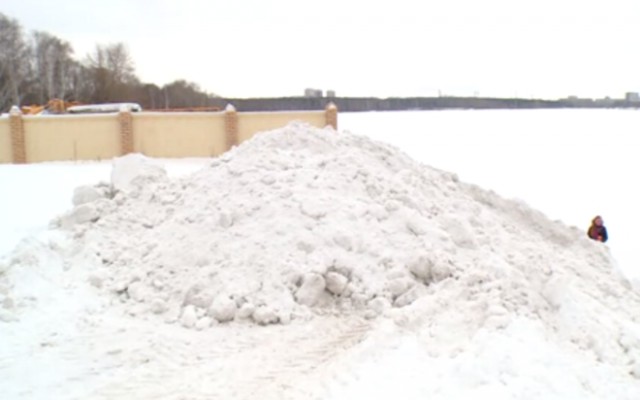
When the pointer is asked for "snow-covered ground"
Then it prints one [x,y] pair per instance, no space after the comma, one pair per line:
[351,271]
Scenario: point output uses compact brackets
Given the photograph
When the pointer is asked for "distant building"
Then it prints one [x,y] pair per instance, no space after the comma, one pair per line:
[579,101]
[331,93]
[607,101]
[632,97]
[312,93]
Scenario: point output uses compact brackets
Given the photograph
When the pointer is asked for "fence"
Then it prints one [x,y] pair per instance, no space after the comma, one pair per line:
[28,139]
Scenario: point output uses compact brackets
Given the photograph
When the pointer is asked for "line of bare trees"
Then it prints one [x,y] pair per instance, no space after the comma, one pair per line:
[37,67]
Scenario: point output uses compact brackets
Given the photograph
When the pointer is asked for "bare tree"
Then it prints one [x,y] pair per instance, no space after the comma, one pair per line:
[112,72]
[80,85]
[181,93]
[14,63]
[53,66]
[120,63]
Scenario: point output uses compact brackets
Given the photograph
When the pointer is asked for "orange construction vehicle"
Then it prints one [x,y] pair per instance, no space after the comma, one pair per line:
[53,106]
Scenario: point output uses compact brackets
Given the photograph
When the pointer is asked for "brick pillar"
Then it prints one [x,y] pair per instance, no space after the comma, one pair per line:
[231,126]
[17,136]
[125,120]
[331,115]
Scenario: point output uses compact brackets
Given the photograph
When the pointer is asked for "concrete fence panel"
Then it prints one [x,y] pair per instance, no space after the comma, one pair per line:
[6,153]
[250,123]
[179,134]
[71,137]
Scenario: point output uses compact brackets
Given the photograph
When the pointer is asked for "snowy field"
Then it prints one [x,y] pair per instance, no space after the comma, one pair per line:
[349,269]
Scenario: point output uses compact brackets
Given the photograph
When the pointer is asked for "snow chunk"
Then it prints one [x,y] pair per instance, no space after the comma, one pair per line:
[265,315]
[312,288]
[80,215]
[459,231]
[189,317]
[223,309]
[336,282]
[85,194]
[132,172]
[421,267]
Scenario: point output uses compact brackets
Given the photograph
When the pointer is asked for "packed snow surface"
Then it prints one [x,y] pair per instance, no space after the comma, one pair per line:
[310,234]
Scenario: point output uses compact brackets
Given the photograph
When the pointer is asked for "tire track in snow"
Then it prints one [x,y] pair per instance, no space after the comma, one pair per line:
[235,362]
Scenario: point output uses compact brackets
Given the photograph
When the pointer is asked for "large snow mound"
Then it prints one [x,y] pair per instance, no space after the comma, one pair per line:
[302,221]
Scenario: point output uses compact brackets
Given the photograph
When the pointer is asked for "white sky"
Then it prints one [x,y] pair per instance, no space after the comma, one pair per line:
[246,48]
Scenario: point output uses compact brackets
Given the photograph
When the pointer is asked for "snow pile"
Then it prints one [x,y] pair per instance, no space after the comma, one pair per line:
[302,221]
[475,293]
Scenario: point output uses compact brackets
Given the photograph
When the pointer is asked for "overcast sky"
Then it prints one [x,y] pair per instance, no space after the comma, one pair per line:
[245,48]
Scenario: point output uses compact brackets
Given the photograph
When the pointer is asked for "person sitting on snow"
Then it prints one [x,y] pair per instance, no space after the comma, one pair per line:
[597,231]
